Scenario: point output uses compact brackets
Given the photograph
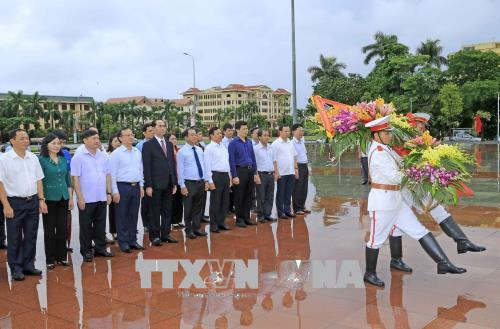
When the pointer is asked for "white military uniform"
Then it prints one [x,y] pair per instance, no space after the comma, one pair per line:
[387,208]
[438,213]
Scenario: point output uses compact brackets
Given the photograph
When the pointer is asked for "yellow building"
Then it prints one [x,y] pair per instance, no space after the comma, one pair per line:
[485,46]
[271,103]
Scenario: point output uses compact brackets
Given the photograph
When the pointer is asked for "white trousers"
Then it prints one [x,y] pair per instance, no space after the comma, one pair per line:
[384,222]
[438,214]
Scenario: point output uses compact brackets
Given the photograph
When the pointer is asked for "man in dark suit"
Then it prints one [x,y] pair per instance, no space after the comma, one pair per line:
[160,181]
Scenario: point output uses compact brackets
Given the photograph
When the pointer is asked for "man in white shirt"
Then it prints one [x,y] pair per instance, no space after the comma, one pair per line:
[217,168]
[81,147]
[285,171]
[265,168]
[301,185]
[21,193]
[127,181]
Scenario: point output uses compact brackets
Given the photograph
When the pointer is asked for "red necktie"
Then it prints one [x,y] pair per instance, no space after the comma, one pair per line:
[164,148]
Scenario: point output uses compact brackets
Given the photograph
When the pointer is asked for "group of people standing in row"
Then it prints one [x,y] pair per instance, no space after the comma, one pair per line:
[167,184]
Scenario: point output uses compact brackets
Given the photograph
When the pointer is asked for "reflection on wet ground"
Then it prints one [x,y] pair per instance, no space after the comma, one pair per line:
[108,293]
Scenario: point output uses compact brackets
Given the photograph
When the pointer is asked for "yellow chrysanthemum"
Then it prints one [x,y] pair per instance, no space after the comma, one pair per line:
[399,121]
[379,101]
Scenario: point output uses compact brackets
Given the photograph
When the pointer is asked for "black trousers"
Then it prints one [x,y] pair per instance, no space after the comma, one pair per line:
[55,231]
[193,205]
[146,212]
[3,237]
[243,194]
[127,214]
[22,233]
[177,207]
[265,194]
[219,199]
[112,218]
[300,188]
[161,206]
[92,227]
[364,169]
[284,194]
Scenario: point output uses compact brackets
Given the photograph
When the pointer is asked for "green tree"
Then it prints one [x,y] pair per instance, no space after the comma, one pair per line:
[329,69]
[433,49]
[385,45]
[451,106]
[258,120]
[347,89]
[15,104]
[471,65]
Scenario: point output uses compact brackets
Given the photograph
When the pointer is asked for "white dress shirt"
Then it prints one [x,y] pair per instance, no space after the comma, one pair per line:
[20,176]
[300,147]
[126,166]
[226,141]
[81,148]
[216,159]
[284,154]
[187,168]
[264,157]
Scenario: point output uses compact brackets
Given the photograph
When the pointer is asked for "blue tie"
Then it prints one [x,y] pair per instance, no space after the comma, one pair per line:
[198,164]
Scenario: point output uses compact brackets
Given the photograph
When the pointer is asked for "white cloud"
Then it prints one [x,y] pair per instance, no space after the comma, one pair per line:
[121,48]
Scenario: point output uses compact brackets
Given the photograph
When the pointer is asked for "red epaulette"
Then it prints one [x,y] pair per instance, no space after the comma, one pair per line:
[380,148]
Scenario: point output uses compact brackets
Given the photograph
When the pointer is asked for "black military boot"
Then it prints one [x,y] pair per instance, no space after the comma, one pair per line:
[397,263]
[371,256]
[433,249]
[451,228]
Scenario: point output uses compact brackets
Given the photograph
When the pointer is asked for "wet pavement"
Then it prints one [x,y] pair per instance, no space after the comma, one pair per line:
[107,293]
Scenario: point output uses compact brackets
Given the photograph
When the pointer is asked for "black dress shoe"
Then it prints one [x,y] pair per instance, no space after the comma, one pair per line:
[136,246]
[299,212]
[156,242]
[307,211]
[3,245]
[104,253]
[205,219]
[68,249]
[250,223]
[126,250]
[224,228]
[261,220]
[214,230]
[17,276]
[290,215]
[191,236]
[283,217]
[33,272]
[88,258]
[169,239]
[241,224]
[271,219]
[199,233]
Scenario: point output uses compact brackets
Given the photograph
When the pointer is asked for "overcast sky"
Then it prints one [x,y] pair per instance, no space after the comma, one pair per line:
[116,48]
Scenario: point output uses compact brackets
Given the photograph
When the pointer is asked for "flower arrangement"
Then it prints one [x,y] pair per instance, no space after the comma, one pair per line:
[435,173]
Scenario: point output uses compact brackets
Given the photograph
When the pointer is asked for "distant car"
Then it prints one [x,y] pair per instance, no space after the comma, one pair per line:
[463,136]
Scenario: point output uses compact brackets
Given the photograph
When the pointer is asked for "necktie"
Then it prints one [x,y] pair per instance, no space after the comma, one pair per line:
[198,164]
[164,148]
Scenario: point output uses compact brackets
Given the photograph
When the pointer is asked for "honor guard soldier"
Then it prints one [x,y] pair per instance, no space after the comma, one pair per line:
[387,209]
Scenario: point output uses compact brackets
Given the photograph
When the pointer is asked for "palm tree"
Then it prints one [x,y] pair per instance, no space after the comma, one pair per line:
[329,67]
[16,103]
[34,108]
[433,49]
[384,45]
[52,114]
[68,117]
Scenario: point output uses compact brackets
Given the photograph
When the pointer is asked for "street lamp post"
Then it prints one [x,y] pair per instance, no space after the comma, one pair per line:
[498,117]
[193,108]
[294,78]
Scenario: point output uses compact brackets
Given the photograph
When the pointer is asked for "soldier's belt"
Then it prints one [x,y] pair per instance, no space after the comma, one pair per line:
[386,187]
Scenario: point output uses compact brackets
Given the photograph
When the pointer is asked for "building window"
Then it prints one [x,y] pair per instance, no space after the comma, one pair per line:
[239,102]
[228,95]
[86,107]
[72,106]
[239,95]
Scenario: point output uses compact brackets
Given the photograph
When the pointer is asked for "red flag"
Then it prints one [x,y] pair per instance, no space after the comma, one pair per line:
[479,125]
